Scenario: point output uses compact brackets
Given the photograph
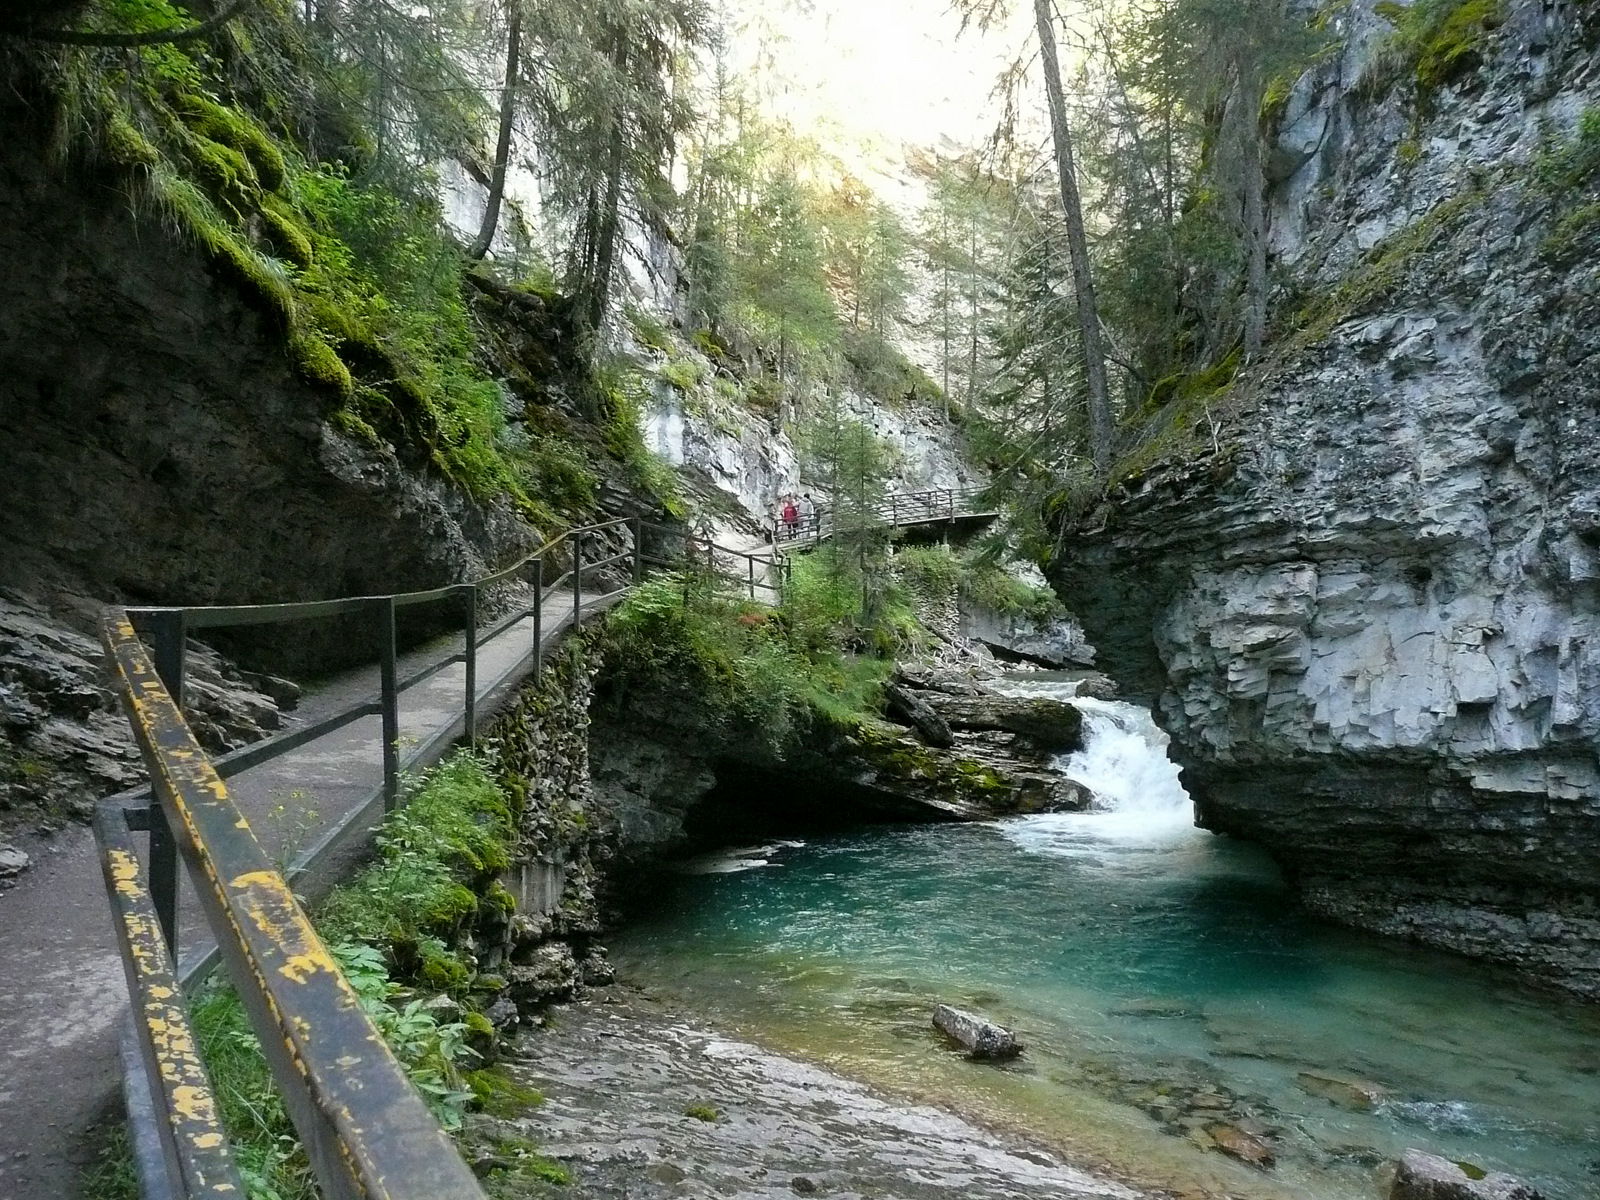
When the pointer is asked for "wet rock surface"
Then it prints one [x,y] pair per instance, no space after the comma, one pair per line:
[619,1077]
[1420,1176]
[968,753]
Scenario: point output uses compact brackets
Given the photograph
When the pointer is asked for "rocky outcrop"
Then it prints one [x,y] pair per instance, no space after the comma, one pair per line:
[64,741]
[1366,600]
[166,452]
[661,763]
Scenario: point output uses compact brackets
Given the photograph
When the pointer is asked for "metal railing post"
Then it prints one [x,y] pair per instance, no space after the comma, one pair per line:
[390,703]
[167,636]
[538,619]
[469,594]
[577,579]
[894,510]
[750,561]
[638,550]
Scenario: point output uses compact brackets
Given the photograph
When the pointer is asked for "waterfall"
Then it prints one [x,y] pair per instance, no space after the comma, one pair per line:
[1137,794]
[1124,763]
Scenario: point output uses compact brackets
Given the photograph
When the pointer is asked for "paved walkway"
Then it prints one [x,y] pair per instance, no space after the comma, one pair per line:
[61,980]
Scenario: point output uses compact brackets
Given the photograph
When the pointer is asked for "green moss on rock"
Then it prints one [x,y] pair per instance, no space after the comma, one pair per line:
[499,1095]
[316,363]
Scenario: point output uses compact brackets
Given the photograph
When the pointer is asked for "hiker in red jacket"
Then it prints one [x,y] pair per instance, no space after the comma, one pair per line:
[791,517]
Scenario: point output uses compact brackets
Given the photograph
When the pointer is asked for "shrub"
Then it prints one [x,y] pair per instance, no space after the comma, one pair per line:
[758,670]
[457,827]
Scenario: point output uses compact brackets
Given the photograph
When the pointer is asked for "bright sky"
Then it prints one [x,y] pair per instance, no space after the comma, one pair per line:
[871,78]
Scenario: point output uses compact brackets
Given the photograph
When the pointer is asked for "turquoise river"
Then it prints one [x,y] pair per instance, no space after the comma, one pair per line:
[1162,978]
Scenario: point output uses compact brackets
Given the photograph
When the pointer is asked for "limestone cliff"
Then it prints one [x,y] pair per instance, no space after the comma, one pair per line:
[1363,587]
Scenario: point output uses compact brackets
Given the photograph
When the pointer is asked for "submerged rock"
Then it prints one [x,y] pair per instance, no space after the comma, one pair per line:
[1359,1094]
[981,1036]
[1420,1176]
[1246,1147]
[617,1076]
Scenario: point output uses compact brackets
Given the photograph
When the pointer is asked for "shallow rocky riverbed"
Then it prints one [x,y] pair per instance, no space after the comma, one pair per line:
[621,1075]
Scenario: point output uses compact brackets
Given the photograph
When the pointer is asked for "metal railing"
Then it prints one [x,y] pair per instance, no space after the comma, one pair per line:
[366,1131]
[896,510]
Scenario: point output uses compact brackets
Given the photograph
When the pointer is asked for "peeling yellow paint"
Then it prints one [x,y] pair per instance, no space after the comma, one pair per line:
[301,967]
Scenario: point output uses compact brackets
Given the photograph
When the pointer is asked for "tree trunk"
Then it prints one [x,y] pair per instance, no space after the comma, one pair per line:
[1253,181]
[972,310]
[502,146]
[1094,359]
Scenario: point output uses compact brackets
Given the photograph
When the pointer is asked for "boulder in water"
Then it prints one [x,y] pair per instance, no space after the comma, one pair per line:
[981,1037]
[1420,1176]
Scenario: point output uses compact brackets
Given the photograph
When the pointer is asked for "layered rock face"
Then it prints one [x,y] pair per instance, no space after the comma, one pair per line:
[1367,603]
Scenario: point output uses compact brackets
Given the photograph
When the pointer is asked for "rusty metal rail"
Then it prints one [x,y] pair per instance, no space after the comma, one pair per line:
[366,1131]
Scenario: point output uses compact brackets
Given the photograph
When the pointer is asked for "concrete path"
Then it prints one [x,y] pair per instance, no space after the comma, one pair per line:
[61,979]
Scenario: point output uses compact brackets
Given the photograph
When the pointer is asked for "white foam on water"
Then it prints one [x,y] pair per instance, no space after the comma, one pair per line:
[740,858]
[1138,798]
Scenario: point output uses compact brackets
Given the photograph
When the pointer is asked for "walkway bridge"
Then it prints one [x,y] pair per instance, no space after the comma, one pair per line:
[365,1130]
[935,510]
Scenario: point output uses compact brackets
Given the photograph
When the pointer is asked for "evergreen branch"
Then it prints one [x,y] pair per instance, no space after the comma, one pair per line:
[153,37]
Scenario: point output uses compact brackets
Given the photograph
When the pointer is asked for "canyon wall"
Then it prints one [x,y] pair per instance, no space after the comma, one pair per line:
[1363,591]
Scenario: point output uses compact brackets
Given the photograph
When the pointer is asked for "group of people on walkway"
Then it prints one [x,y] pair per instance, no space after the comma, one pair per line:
[798,515]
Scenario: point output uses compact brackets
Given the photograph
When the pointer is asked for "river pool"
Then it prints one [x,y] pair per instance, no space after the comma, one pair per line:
[1165,984]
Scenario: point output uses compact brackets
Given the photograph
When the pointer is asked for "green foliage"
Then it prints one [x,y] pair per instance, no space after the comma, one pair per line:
[520,1171]
[265,1148]
[781,285]
[765,673]
[498,1094]
[880,370]
[987,585]
[935,568]
[979,580]
[1383,268]
[1572,234]
[701,1112]
[685,374]
[557,473]
[1435,41]
[456,828]
[1187,386]
[111,1174]
[650,332]
[1564,168]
